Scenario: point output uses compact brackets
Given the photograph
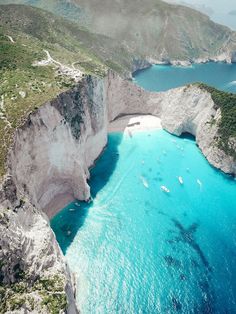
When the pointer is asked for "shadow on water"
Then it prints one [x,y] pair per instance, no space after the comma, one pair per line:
[71,218]
[206,301]
[105,166]
[186,235]
[187,136]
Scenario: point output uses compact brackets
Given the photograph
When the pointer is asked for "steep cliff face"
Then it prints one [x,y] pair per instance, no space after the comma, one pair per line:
[185,109]
[33,274]
[192,110]
[53,151]
[58,143]
[48,166]
[124,98]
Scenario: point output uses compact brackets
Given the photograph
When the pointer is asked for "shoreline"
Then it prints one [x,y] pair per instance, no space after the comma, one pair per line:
[57,204]
[133,123]
[182,63]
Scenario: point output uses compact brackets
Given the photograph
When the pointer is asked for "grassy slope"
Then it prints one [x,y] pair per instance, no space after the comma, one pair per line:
[156,27]
[151,28]
[227,125]
[34,30]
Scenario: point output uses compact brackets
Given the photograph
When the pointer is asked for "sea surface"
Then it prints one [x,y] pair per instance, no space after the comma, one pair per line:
[137,249]
[163,77]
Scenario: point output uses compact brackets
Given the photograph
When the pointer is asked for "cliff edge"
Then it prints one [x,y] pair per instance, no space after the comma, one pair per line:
[48,165]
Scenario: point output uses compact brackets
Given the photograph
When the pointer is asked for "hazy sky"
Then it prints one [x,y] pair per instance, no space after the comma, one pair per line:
[221,11]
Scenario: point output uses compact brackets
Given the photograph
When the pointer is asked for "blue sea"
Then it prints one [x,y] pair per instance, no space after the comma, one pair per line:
[163,77]
[137,249]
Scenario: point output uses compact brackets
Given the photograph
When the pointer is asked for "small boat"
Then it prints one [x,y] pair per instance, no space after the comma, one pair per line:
[181,181]
[72,209]
[199,182]
[165,189]
[145,183]
[77,204]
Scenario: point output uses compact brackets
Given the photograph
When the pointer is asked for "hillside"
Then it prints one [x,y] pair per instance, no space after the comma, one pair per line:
[42,55]
[152,28]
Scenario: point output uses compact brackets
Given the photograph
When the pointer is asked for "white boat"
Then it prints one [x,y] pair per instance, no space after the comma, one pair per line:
[165,189]
[72,209]
[77,204]
[145,183]
[199,182]
[181,181]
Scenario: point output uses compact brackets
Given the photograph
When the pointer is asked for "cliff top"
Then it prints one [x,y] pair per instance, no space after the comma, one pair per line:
[227,125]
[42,55]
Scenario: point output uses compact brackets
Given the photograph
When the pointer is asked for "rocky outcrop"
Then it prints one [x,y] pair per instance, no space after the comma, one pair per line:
[53,151]
[34,276]
[48,165]
[227,57]
[192,110]
[182,110]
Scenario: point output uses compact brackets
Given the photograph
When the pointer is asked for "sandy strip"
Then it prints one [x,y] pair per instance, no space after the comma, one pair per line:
[56,205]
[132,123]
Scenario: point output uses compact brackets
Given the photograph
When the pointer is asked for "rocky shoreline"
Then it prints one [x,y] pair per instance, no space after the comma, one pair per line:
[52,154]
[224,57]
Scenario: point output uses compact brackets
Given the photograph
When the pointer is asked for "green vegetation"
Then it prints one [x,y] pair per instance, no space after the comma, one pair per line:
[24,86]
[18,75]
[227,125]
[52,293]
[44,293]
[150,28]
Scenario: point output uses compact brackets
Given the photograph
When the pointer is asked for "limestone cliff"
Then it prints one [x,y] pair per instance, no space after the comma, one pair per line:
[182,110]
[57,144]
[192,110]
[48,165]
[34,277]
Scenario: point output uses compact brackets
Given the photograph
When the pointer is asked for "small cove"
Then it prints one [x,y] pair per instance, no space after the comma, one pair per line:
[137,249]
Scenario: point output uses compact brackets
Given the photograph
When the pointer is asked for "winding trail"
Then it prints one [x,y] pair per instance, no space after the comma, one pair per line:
[76,74]
[10,38]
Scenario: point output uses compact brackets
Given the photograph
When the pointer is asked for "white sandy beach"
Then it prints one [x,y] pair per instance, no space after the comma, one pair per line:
[132,123]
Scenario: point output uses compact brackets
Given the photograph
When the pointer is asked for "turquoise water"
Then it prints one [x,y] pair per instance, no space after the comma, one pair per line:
[163,77]
[137,249]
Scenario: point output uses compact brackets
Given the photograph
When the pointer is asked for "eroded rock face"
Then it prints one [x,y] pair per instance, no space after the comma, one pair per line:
[192,110]
[233,57]
[49,164]
[57,145]
[33,270]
